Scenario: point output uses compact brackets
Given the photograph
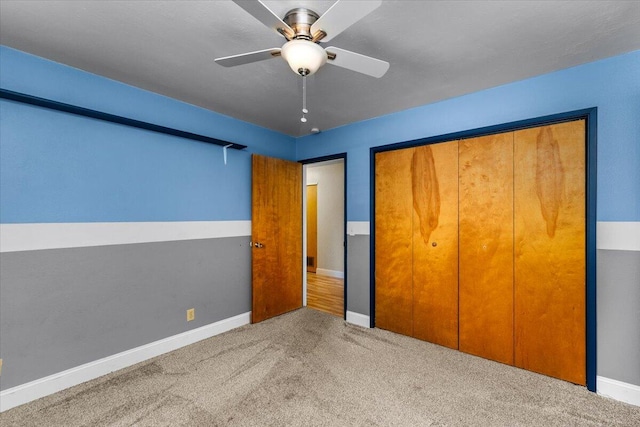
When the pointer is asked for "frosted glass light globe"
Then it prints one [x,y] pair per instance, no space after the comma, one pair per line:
[303,56]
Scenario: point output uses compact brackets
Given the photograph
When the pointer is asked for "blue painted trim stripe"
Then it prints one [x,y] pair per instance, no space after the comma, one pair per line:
[372,236]
[86,112]
[489,130]
[591,321]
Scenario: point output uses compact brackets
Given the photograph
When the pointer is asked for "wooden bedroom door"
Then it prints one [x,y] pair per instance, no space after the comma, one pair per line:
[276,229]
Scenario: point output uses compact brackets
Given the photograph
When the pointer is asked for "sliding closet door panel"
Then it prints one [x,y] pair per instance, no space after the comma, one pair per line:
[393,236]
[486,246]
[550,250]
[434,170]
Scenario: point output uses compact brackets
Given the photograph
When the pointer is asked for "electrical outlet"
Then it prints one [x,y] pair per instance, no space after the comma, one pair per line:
[191,314]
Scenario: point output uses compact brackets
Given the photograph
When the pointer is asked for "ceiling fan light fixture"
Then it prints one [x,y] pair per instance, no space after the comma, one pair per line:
[303,56]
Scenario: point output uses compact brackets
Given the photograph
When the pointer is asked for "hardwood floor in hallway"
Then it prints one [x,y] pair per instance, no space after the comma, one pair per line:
[325,294]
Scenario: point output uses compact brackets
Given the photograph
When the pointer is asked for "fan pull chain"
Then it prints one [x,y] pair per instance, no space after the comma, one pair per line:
[303,119]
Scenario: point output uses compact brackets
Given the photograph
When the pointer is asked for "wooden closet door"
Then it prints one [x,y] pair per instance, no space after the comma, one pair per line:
[486,246]
[434,170]
[393,241]
[550,250]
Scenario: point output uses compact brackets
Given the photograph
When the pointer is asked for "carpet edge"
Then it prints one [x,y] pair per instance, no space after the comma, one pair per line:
[45,386]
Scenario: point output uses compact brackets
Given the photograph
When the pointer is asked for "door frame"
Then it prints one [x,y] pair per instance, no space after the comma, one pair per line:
[590,117]
[311,161]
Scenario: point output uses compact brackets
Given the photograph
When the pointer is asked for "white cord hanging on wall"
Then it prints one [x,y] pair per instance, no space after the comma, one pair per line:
[224,152]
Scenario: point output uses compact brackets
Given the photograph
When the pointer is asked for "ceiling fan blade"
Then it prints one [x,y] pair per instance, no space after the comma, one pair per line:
[247,58]
[262,13]
[357,62]
[342,15]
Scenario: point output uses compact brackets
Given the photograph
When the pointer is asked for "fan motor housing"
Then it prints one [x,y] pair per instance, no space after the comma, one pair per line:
[300,20]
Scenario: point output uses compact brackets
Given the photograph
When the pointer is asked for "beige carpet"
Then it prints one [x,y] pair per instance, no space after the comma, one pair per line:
[308,368]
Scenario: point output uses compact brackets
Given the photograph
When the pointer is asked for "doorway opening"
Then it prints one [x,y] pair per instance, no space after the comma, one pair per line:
[324,234]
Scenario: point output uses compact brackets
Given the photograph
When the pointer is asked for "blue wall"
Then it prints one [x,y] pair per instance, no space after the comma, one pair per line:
[58,167]
[612,85]
[115,173]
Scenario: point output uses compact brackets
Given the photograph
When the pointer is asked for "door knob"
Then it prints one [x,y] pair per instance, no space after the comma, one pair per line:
[256,244]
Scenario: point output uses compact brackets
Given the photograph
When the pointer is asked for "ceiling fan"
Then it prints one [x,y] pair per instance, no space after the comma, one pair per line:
[304,29]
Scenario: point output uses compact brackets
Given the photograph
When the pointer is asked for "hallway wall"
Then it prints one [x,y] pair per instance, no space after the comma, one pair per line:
[330,179]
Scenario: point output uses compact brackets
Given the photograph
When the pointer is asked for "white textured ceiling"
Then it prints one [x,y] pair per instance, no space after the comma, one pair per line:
[437,50]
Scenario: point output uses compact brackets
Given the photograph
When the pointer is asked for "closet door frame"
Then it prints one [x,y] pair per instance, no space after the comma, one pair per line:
[590,117]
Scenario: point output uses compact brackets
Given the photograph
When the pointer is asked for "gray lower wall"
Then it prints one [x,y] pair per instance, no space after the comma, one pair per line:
[618,311]
[358,274]
[61,308]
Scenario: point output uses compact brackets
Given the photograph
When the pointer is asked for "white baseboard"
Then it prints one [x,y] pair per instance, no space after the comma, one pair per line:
[36,389]
[358,319]
[330,273]
[618,390]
